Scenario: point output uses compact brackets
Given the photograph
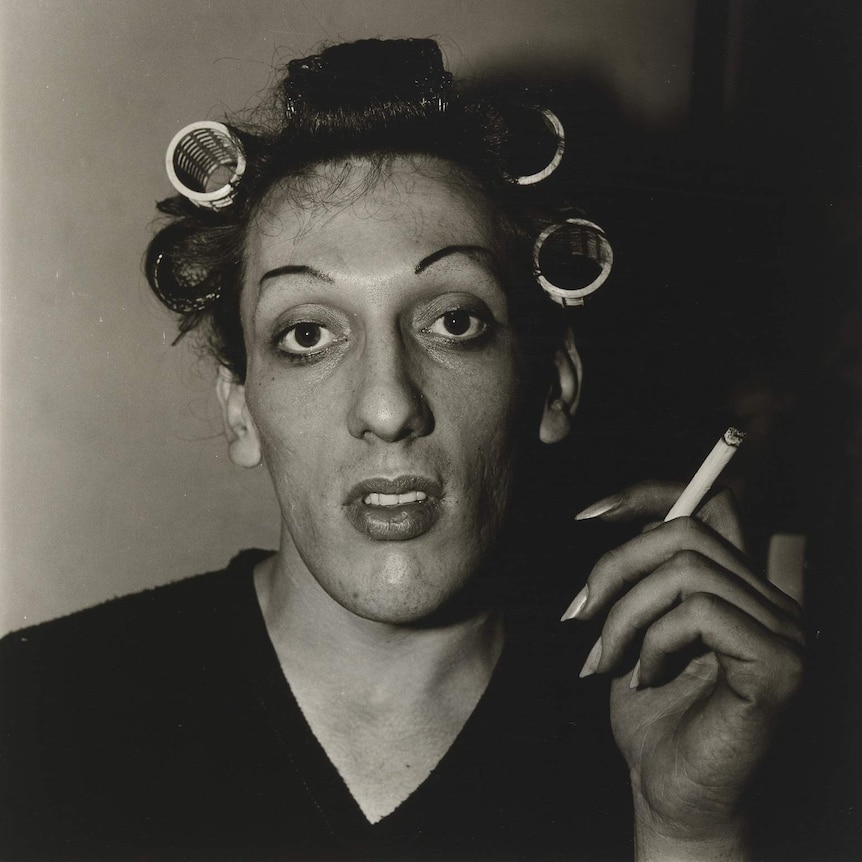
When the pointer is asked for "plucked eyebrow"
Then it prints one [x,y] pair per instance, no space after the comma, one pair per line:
[476,252]
[294,269]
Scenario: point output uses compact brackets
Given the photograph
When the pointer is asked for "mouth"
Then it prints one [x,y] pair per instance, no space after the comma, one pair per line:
[394,510]
[375,499]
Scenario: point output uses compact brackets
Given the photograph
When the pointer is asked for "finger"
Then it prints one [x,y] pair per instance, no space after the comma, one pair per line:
[757,666]
[721,512]
[684,575]
[785,564]
[619,569]
[646,500]
[650,501]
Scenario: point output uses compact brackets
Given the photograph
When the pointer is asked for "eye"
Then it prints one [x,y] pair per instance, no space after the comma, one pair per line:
[458,323]
[305,338]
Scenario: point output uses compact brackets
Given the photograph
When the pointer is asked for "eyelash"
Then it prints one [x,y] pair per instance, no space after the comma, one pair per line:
[311,354]
[476,318]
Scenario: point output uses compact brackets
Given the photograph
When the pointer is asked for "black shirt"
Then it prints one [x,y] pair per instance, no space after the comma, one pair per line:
[160,726]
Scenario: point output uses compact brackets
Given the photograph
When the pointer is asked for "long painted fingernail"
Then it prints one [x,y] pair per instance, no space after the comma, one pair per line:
[636,675]
[593,660]
[577,605]
[600,508]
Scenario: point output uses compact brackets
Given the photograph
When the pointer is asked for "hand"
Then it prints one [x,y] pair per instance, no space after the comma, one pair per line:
[719,654]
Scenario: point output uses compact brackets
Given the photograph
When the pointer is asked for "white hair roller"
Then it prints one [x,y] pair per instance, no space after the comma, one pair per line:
[204,162]
[586,239]
[556,128]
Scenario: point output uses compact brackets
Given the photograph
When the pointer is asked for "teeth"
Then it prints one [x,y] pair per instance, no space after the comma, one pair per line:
[395,499]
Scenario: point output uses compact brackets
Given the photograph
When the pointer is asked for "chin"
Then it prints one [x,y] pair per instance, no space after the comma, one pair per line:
[403,590]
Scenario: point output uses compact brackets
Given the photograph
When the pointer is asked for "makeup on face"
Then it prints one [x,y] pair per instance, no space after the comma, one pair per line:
[384,381]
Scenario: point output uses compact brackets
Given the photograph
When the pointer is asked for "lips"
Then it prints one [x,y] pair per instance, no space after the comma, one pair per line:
[394,510]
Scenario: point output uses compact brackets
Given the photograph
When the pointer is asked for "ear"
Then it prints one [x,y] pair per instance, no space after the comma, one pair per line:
[242,436]
[564,393]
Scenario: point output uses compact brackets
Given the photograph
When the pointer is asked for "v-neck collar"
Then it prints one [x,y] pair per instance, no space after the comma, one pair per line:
[338,809]
[504,789]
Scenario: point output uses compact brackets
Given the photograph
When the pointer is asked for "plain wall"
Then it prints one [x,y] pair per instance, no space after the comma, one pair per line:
[114,471]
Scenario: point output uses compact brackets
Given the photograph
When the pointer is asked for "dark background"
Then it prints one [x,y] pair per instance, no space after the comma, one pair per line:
[736,301]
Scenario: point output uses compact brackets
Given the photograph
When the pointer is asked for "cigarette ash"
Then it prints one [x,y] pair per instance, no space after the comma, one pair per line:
[733,436]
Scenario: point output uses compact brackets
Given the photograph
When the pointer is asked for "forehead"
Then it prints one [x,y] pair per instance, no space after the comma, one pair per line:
[349,214]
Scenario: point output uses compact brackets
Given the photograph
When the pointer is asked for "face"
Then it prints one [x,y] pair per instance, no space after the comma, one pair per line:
[384,380]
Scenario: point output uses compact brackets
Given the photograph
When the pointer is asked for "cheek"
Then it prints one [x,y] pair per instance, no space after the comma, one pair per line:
[289,412]
[483,434]
[295,430]
[491,406]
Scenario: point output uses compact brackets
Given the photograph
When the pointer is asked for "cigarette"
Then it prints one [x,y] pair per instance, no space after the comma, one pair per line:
[706,474]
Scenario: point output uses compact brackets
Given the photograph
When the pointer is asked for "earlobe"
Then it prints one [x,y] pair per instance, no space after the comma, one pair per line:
[564,393]
[243,440]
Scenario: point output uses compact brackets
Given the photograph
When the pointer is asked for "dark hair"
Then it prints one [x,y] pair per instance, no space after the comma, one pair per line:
[369,99]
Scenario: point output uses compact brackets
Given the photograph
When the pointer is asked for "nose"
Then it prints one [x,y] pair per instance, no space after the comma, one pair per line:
[387,402]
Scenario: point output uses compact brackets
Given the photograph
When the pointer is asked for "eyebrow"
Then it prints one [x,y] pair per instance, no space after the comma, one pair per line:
[472,251]
[294,269]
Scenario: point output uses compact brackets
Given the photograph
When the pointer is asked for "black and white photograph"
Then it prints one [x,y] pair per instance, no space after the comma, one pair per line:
[431,430]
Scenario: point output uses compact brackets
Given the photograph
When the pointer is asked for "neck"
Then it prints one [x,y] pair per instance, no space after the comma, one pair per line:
[384,701]
[323,647]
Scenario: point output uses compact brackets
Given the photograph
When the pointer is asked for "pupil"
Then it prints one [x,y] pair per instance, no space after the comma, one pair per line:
[307,334]
[456,322]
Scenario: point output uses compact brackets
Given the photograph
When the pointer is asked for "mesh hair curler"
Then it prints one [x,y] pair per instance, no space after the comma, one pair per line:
[178,269]
[204,162]
[579,242]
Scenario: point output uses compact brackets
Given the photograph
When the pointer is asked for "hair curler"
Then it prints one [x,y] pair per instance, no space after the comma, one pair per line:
[556,128]
[205,162]
[586,240]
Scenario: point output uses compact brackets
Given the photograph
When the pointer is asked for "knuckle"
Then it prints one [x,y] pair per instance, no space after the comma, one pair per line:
[606,560]
[702,606]
[651,644]
[606,563]
[687,559]
[779,678]
[616,623]
[668,578]
[684,528]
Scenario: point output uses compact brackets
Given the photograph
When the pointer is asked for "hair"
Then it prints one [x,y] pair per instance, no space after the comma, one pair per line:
[370,100]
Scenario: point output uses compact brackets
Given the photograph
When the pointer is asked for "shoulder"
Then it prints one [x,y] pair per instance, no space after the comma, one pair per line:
[127,619]
[95,707]
[126,642]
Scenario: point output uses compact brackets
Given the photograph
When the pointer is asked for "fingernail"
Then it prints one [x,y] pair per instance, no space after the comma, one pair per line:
[636,675]
[593,660]
[600,508]
[577,605]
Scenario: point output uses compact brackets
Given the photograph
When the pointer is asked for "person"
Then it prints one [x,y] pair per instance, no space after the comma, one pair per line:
[393,681]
